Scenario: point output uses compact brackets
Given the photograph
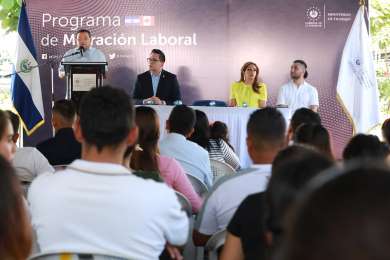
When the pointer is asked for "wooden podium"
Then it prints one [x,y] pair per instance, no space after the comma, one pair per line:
[82,76]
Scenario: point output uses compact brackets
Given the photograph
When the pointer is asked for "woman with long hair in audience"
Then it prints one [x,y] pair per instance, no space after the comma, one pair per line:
[315,135]
[146,158]
[7,145]
[218,149]
[249,91]
[219,130]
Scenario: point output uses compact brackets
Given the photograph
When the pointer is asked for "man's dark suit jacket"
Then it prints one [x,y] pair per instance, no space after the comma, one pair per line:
[63,148]
[168,88]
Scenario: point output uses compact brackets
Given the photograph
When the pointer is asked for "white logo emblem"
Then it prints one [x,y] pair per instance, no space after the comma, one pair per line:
[313,14]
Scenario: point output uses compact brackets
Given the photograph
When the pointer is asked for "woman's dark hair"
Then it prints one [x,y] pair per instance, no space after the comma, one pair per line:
[201,133]
[316,136]
[292,169]
[386,130]
[149,133]
[4,119]
[219,130]
[15,229]
[255,84]
[365,146]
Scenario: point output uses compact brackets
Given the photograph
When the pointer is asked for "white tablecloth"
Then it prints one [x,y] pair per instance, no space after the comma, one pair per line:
[235,118]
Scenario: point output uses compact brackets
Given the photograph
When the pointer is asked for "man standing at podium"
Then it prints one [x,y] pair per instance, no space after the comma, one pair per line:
[157,86]
[83,53]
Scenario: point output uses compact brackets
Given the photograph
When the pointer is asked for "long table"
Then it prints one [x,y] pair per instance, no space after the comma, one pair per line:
[235,118]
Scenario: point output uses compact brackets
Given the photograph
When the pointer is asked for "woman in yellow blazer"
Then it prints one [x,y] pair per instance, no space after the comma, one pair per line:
[248,91]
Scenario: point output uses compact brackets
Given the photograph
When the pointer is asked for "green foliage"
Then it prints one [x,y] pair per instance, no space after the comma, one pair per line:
[380,23]
[9,14]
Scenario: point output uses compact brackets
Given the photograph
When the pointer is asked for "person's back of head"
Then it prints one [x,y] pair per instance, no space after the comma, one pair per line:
[365,146]
[106,117]
[64,114]
[181,120]
[219,130]
[15,228]
[316,136]
[266,129]
[15,121]
[386,130]
[345,217]
[303,116]
[292,169]
[201,133]
[145,159]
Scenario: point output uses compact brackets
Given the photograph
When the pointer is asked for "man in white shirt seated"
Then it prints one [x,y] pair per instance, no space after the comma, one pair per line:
[28,161]
[192,157]
[97,205]
[298,93]
[266,130]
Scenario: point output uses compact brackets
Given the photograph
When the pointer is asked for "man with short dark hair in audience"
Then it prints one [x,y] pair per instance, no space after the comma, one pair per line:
[265,137]
[28,161]
[63,148]
[292,168]
[98,206]
[302,116]
[192,157]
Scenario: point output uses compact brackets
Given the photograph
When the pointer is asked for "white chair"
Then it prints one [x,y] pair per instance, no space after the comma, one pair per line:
[74,256]
[25,177]
[198,185]
[185,203]
[220,169]
[215,244]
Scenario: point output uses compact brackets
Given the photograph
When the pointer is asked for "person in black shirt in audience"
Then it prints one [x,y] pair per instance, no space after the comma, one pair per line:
[342,217]
[63,148]
[247,236]
[365,146]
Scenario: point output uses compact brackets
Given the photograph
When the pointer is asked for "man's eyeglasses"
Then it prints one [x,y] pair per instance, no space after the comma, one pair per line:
[152,60]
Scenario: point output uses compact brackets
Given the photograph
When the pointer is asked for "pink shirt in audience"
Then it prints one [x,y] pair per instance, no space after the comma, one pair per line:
[175,177]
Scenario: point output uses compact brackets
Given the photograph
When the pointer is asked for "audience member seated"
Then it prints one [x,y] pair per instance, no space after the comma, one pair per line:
[63,148]
[246,237]
[316,136]
[386,131]
[28,161]
[365,146]
[96,204]
[342,218]
[217,148]
[219,130]
[302,116]
[15,228]
[266,130]
[192,157]
[7,145]
[292,169]
[146,159]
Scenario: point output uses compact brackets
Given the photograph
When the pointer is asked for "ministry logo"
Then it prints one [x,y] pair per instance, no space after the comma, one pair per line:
[313,17]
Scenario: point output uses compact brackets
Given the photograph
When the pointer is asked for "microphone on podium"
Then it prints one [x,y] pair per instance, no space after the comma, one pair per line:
[81,49]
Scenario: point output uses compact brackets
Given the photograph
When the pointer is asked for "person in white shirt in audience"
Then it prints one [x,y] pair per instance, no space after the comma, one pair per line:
[96,204]
[28,161]
[298,93]
[265,138]
[192,157]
